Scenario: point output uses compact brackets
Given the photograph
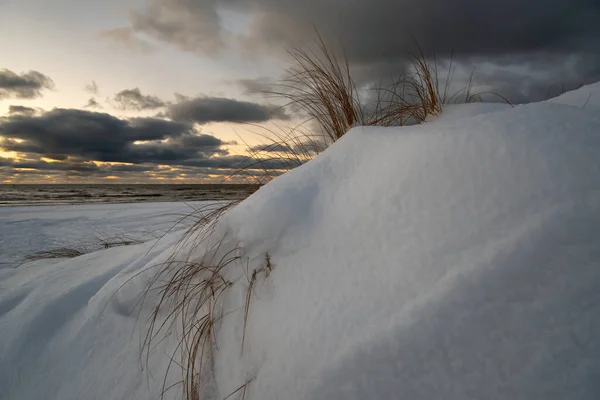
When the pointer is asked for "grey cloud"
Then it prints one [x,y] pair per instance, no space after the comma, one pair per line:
[38,169]
[94,136]
[92,88]
[76,137]
[130,168]
[521,78]
[181,97]
[92,103]
[57,157]
[203,110]
[83,167]
[191,25]
[378,34]
[200,141]
[382,28]
[256,85]
[174,152]
[133,99]
[126,173]
[21,110]
[126,37]
[58,166]
[27,85]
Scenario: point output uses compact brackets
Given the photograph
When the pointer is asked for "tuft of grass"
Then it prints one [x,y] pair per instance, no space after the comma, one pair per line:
[241,388]
[123,239]
[247,306]
[97,242]
[424,97]
[321,85]
[281,149]
[190,294]
[60,252]
[189,298]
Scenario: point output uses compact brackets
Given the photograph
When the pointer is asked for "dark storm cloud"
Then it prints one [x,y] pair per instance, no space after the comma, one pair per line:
[103,137]
[203,110]
[67,126]
[38,170]
[82,167]
[77,138]
[379,34]
[133,99]
[524,78]
[51,166]
[27,85]
[57,157]
[382,28]
[129,168]
[21,110]
[175,152]
[228,166]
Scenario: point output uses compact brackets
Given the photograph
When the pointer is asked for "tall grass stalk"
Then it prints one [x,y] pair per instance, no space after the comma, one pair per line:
[321,85]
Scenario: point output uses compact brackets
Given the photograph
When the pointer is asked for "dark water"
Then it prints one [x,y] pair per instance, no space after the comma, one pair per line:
[19,195]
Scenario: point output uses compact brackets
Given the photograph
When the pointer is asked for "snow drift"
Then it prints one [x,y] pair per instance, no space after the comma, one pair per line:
[458,259]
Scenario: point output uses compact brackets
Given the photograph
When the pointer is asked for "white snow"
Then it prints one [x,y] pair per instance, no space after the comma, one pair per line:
[457,111]
[25,230]
[458,259]
[71,329]
[585,97]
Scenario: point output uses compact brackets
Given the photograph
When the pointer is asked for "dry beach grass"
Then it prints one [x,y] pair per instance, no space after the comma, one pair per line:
[321,86]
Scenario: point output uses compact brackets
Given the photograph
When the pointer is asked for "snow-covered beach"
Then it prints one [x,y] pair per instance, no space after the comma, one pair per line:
[61,336]
[27,230]
[457,259]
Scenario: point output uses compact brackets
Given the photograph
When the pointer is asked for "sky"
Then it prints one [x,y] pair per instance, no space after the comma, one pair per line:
[142,91]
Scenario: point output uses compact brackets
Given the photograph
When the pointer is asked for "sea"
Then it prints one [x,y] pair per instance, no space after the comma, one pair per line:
[50,194]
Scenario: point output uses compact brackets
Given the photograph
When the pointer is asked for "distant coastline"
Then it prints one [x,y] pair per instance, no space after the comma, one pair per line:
[60,194]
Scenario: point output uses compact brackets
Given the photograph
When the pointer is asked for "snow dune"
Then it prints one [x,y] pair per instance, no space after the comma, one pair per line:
[458,259]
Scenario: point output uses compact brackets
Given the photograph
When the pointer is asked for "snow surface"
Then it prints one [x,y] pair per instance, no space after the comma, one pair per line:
[458,259]
[71,329]
[457,111]
[586,97]
[26,230]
